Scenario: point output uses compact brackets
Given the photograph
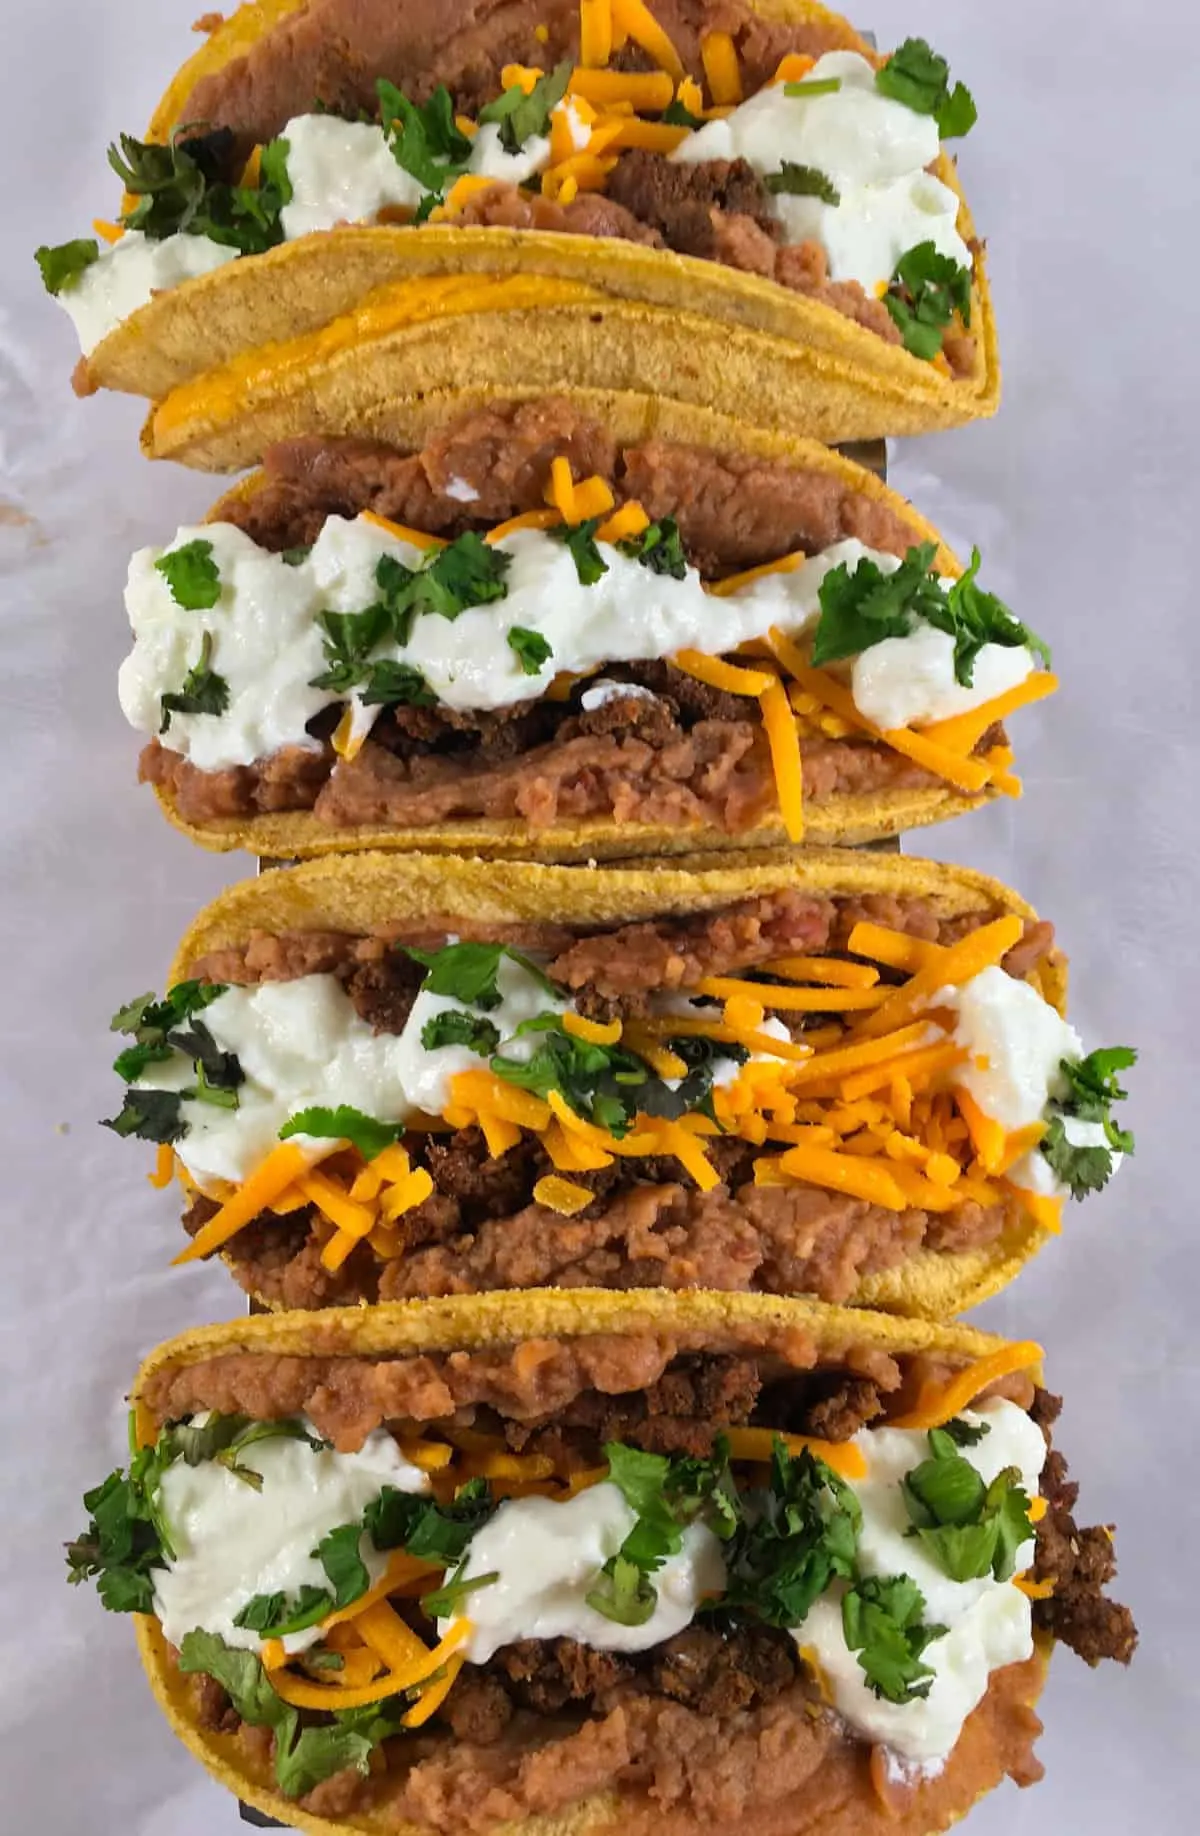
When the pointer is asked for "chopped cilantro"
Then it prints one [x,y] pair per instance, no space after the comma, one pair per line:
[155,1115]
[349,639]
[969,1528]
[63,263]
[180,188]
[926,291]
[464,972]
[814,86]
[203,690]
[279,1615]
[425,141]
[295,557]
[802,182]
[916,76]
[530,648]
[520,116]
[863,607]
[1082,1168]
[454,1027]
[341,1558]
[882,1622]
[418,1524]
[390,684]
[580,538]
[667,1494]
[797,1534]
[149,1115]
[445,1601]
[676,114]
[959,1432]
[601,1083]
[344,1123]
[659,547]
[1092,1089]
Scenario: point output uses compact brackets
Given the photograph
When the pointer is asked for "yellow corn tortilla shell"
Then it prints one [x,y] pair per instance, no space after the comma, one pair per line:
[243,349]
[360,892]
[462,1322]
[845,821]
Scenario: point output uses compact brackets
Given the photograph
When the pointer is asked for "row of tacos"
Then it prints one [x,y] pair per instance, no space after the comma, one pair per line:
[740,206]
[605,1170]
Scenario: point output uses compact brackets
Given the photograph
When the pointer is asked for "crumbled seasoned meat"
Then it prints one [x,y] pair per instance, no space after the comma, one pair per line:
[505,206]
[837,1407]
[677,199]
[804,268]
[682,1411]
[1080,1563]
[383,991]
[479,1707]
[462,1167]
[213,1708]
[547,1674]
[724,1673]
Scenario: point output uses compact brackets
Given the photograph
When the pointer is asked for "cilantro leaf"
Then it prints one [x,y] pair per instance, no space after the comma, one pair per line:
[149,1115]
[278,1615]
[881,1621]
[203,691]
[181,188]
[192,575]
[580,538]
[453,1027]
[344,1123]
[796,1536]
[464,972]
[944,1490]
[242,1677]
[623,1592]
[431,1531]
[349,639]
[1082,1169]
[600,1082]
[916,76]
[802,182]
[957,1433]
[531,649]
[969,1529]
[341,1558]
[319,1752]
[302,1759]
[659,547]
[425,141]
[467,572]
[390,684]
[520,116]
[295,557]
[923,296]
[62,263]
[862,607]
[445,1601]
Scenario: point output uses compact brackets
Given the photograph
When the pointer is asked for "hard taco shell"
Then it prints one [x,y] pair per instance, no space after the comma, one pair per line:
[844,820]
[361,892]
[462,1323]
[261,345]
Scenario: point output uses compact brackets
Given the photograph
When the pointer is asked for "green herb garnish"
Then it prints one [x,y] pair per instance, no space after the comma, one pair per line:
[802,182]
[454,1027]
[520,116]
[62,263]
[203,691]
[918,77]
[344,1123]
[882,1622]
[926,291]
[530,648]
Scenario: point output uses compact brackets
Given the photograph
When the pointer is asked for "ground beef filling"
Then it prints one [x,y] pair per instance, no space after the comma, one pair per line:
[694,755]
[648,1225]
[722,1725]
[718,210]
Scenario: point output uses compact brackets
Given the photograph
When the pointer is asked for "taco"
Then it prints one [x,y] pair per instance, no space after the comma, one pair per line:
[550,631]
[389,1077]
[740,205]
[580,1562]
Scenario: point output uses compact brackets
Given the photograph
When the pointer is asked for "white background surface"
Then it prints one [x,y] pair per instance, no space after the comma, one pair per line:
[1083,497]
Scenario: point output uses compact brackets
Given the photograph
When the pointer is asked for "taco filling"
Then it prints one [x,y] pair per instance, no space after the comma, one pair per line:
[741,1579]
[798,1093]
[527,625]
[784,150]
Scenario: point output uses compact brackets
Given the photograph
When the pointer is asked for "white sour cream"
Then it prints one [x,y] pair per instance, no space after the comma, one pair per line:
[427,1075]
[232,1542]
[873,149]
[606,690]
[988,1621]
[299,1044]
[910,682]
[341,172]
[125,275]
[547,1556]
[1015,1041]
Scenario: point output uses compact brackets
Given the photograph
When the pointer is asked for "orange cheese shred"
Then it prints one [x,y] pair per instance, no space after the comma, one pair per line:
[793,67]
[528,519]
[827,969]
[653,136]
[1034,1590]
[595,1032]
[988,1137]
[108,232]
[977,951]
[779,724]
[758,1444]
[629,521]
[732,583]
[938,1403]
[895,949]
[963,732]
[435,1694]
[727,676]
[651,90]
[382,1628]
[282,1166]
[1043,1208]
[402,532]
[164,1167]
[848,1173]
[595,33]
[969,775]
[562,1196]
[797,1000]
[634,18]
[720,60]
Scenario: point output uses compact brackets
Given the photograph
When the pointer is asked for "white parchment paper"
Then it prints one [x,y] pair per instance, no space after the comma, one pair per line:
[1083,495]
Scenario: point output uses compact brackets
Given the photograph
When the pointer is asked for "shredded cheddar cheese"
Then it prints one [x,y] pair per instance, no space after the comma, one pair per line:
[721,71]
